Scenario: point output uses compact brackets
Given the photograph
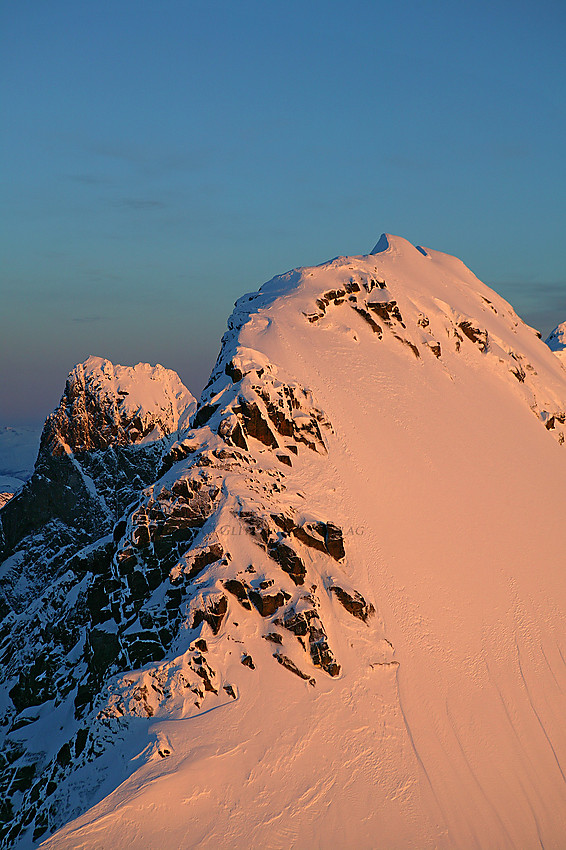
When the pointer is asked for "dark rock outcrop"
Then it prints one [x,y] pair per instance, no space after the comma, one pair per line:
[476,335]
[353,602]
[306,623]
[286,662]
[134,561]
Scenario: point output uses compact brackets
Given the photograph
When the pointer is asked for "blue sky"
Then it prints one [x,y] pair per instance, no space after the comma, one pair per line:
[161,159]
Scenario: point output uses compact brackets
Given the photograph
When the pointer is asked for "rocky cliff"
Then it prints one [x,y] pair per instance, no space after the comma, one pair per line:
[98,449]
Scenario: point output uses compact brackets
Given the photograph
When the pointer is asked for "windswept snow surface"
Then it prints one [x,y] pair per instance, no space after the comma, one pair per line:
[445,727]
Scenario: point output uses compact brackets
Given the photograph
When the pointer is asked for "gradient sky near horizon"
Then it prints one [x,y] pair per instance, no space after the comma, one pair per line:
[161,159]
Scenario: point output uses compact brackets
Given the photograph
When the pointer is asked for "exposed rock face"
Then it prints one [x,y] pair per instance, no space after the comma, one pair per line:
[476,335]
[179,538]
[304,621]
[104,442]
[354,603]
[138,566]
[128,590]
[105,405]
[5,498]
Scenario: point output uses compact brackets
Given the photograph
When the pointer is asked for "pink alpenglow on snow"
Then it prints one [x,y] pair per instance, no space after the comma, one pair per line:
[104,404]
[336,616]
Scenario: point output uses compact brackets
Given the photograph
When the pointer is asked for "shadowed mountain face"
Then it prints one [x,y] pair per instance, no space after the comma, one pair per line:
[557,341]
[105,405]
[347,555]
[102,444]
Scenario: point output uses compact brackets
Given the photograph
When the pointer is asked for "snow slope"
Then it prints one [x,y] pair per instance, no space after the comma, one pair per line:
[395,405]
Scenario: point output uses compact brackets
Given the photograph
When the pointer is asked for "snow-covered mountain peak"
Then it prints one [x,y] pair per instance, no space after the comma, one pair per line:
[101,445]
[351,555]
[398,302]
[398,245]
[556,341]
[381,245]
[106,404]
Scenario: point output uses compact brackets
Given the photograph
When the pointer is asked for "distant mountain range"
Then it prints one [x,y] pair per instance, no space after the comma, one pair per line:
[18,453]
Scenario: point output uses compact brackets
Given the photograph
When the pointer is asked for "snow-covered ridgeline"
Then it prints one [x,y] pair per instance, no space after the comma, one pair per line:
[367,440]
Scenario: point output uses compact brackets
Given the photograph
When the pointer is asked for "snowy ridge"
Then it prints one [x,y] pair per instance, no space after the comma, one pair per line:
[107,405]
[351,558]
[217,536]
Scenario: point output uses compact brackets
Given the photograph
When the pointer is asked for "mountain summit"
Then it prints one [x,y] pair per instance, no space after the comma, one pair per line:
[335,615]
[102,444]
[107,405]
[556,341]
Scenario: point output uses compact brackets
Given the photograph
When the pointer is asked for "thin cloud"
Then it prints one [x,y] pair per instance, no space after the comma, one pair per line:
[153,162]
[88,179]
[138,203]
